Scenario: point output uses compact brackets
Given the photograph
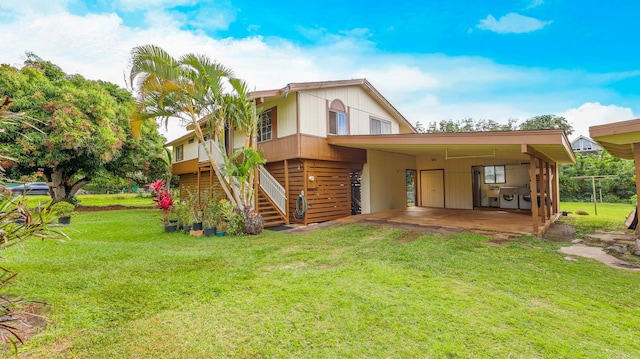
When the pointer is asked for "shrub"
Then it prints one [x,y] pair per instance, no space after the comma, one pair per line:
[253,221]
[62,209]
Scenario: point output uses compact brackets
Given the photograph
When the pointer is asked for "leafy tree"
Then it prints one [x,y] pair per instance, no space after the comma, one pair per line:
[190,88]
[17,224]
[80,128]
[617,189]
[469,125]
[546,122]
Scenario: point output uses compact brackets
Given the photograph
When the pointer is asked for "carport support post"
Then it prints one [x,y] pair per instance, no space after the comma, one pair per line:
[534,194]
[636,158]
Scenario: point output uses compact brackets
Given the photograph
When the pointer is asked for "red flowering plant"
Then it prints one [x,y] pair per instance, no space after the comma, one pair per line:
[162,198]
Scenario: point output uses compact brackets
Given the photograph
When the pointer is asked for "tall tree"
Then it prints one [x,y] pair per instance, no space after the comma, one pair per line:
[79,128]
[191,88]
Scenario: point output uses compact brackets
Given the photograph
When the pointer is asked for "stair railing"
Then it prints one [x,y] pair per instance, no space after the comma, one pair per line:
[273,189]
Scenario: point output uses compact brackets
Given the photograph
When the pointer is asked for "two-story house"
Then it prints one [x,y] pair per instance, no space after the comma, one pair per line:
[585,146]
[339,148]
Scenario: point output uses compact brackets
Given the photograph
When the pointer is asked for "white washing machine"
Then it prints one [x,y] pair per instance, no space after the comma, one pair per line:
[508,197]
[524,201]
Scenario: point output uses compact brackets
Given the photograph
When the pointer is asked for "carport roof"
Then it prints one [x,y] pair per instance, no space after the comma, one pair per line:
[552,145]
[617,138]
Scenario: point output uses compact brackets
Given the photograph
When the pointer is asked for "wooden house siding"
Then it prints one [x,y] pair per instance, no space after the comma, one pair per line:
[329,194]
[361,107]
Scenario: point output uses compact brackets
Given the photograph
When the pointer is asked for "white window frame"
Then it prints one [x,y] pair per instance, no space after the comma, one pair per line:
[491,174]
[265,130]
[179,153]
[342,123]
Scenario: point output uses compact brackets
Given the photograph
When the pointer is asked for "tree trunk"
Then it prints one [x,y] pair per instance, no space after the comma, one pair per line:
[61,186]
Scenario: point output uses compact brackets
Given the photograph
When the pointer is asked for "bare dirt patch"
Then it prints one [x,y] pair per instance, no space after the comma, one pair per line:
[29,319]
[115,207]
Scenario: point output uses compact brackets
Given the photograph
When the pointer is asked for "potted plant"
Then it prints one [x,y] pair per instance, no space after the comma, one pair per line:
[210,217]
[63,210]
[183,214]
[197,212]
[164,201]
[226,213]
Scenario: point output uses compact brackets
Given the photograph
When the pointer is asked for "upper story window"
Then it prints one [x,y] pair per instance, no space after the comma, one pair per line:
[338,119]
[265,129]
[179,152]
[380,127]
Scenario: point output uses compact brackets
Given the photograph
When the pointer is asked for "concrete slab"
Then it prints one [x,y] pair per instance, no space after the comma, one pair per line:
[598,254]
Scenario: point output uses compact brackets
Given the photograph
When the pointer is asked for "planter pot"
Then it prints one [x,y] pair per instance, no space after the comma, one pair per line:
[64,220]
[197,226]
[220,234]
[170,228]
[209,231]
[186,228]
[21,221]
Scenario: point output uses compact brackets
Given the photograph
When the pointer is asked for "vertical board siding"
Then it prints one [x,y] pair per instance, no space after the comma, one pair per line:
[189,185]
[329,196]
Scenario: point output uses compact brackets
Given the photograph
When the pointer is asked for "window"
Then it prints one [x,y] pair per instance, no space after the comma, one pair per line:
[179,153]
[338,124]
[338,119]
[265,130]
[206,137]
[380,127]
[494,174]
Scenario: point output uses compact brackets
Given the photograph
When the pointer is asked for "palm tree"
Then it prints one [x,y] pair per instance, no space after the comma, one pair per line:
[191,88]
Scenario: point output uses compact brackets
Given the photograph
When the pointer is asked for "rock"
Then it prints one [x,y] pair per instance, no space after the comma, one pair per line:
[582,213]
[636,248]
[617,248]
[576,241]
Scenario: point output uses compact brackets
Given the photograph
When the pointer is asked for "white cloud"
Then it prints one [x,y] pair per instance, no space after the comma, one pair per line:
[512,23]
[533,4]
[594,113]
[423,88]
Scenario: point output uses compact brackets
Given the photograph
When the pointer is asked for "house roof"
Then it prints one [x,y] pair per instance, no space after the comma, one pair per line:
[618,138]
[180,139]
[363,83]
[552,144]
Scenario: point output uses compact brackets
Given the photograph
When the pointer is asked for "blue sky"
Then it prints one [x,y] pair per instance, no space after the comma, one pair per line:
[434,60]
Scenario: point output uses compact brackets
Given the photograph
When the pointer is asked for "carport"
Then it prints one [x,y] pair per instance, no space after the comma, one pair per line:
[622,140]
[446,165]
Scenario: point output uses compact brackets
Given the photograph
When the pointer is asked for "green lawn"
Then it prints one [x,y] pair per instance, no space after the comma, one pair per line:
[124,199]
[123,289]
[610,217]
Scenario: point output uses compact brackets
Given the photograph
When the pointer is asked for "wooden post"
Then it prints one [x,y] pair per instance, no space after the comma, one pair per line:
[198,186]
[636,157]
[534,194]
[305,179]
[594,198]
[549,196]
[555,185]
[543,190]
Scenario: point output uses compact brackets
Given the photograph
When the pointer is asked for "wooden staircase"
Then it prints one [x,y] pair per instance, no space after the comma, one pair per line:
[272,217]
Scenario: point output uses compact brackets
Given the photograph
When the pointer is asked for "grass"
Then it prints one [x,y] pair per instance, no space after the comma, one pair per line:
[123,289]
[98,200]
[610,217]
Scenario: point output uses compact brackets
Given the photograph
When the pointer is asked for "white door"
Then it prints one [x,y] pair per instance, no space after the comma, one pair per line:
[432,188]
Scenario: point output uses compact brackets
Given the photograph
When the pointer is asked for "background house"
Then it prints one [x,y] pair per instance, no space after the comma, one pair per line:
[585,146]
